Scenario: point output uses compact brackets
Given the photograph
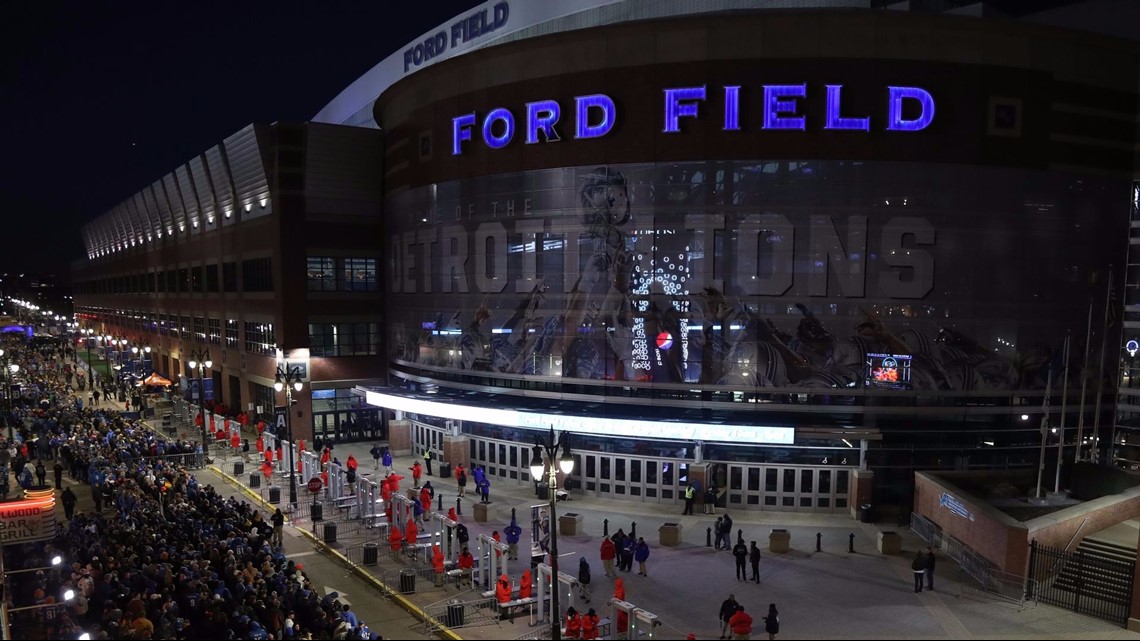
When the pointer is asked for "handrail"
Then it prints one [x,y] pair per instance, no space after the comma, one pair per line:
[1078,531]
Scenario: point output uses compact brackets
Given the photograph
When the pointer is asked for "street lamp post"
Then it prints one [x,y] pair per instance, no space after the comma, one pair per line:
[289,379]
[566,464]
[200,360]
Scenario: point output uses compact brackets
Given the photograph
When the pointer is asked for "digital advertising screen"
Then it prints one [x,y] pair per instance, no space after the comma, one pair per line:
[889,371]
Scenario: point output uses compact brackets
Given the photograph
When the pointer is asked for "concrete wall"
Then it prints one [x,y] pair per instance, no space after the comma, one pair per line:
[1057,529]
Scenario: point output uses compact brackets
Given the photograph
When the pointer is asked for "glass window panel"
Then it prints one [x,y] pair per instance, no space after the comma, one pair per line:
[841,481]
[825,481]
[753,479]
[789,481]
[806,484]
[770,478]
[734,477]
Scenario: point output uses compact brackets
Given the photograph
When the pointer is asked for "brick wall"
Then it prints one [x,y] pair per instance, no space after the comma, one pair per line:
[998,538]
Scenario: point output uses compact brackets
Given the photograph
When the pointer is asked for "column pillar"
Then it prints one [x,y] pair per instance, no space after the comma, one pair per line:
[456,451]
[400,437]
[860,490]
[699,477]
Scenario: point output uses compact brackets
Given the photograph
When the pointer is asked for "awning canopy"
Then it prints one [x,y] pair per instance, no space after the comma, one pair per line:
[155,379]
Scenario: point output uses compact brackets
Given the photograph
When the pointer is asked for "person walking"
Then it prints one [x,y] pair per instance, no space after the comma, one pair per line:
[928,567]
[727,609]
[58,469]
[584,579]
[754,559]
[741,624]
[386,460]
[376,453]
[69,499]
[427,460]
[609,551]
[690,494]
[41,473]
[740,551]
[417,472]
[918,566]
[726,532]
[513,532]
[716,531]
[772,622]
[461,479]
[710,500]
[641,555]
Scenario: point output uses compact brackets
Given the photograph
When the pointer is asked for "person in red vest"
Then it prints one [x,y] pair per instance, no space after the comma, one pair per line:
[452,515]
[497,538]
[525,584]
[503,589]
[622,616]
[395,539]
[386,491]
[573,624]
[417,472]
[590,625]
[279,451]
[198,420]
[260,443]
[425,502]
[412,536]
[437,565]
[260,427]
[741,623]
[268,455]
[459,472]
[466,565]
[235,441]
[394,482]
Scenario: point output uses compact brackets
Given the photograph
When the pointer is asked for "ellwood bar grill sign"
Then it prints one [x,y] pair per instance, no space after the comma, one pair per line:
[594,115]
[27,521]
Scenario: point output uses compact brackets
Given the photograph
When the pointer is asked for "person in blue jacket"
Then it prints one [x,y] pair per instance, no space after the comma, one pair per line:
[485,489]
[513,532]
[387,459]
[641,555]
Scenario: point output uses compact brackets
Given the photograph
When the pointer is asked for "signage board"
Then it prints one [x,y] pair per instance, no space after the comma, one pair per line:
[28,520]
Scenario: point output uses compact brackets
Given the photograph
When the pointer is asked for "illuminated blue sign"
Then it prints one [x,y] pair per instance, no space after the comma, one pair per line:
[955,506]
[781,109]
[466,29]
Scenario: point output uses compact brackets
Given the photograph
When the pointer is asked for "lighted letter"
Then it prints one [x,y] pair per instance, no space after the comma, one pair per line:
[732,108]
[773,106]
[836,121]
[675,109]
[895,120]
[489,137]
[460,131]
[542,115]
[583,128]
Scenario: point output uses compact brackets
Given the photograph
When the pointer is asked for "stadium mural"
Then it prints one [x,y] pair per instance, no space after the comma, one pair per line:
[801,274]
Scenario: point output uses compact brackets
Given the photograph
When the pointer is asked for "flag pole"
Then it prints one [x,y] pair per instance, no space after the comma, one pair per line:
[1084,386]
[1064,406]
[1044,428]
[1100,370]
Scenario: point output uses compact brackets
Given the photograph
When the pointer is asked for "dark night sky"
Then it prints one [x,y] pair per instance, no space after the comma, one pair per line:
[99,99]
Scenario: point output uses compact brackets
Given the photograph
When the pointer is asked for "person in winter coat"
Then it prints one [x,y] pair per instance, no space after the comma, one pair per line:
[411,536]
[497,538]
[641,555]
[717,527]
[584,579]
[376,453]
[503,589]
[386,459]
[726,532]
[573,624]
[608,553]
[772,622]
[710,500]
[395,539]
[741,624]
[590,625]
[928,566]
[727,609]
[417,472]
[622,623]
[485,489]
[754,559]
[437,563]
[461,479]
[466,565]
[526,584]
[513,532]
[740,551]
[427,461]
[461,534]
[451,514]
[425,502]
[625,554]
[918,567]
[69,499]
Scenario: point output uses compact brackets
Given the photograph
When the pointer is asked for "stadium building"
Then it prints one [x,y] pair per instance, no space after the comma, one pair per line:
[797,250]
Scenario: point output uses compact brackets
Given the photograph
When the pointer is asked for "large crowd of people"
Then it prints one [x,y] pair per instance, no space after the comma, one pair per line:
[161,556]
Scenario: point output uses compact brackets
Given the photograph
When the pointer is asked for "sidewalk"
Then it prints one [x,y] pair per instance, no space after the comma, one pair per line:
[830,594]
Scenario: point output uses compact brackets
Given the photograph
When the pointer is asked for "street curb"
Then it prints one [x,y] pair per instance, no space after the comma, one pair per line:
[392,593]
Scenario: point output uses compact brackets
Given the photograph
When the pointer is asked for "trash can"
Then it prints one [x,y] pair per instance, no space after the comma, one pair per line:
[867,513]
[318,512]
[274,495]
[445,470]
[454,613]
[407,581]
[330,532]
[543,491]
[255,480]
[370,554]
[239,468]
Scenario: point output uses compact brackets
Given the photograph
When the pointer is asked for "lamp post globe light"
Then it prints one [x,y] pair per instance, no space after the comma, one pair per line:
[289,379]
[200,360]
[550,448]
